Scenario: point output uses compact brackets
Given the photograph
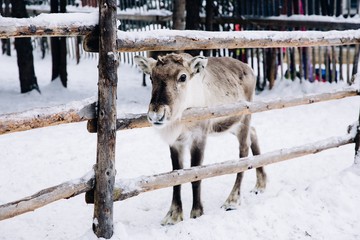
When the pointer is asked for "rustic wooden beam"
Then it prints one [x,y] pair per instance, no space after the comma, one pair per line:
[48,116]
[235,109]
[62,191]
[43,31]
[131,187]
[103,226]
[173,40]
[48,25]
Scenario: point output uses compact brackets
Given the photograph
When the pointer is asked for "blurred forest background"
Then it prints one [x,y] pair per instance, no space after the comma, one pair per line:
[327,64]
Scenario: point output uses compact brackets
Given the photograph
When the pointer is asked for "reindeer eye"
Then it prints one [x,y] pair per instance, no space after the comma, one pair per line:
[151,79]
[182,78]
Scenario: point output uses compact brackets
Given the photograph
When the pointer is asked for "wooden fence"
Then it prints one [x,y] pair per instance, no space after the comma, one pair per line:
[100,184]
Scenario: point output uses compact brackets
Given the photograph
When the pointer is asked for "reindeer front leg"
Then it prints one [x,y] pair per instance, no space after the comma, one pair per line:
[197,156]
[175,214]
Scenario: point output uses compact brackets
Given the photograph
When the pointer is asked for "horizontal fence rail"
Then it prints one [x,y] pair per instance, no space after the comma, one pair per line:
[80,24]
[46,196]
[55,24]
[126,188]
[173,40]
[234,109]
[48,116]
[85,111]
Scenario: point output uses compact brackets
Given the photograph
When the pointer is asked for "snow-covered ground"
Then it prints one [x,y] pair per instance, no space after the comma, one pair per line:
[313,197]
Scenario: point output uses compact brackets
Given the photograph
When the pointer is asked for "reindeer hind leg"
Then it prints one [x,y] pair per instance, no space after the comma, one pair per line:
[243,135]
[260,172]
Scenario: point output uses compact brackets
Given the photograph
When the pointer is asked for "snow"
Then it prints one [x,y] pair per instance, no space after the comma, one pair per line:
[52,20]
[312,197]
[171,35]
[142,11]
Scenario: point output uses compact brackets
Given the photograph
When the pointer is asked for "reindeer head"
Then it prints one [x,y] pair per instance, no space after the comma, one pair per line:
[171,77]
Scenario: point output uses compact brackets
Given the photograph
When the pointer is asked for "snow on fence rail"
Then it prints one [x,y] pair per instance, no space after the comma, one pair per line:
[81,24]
[85,111]
[48,116]
[172,40]
[55,24]
[127,188]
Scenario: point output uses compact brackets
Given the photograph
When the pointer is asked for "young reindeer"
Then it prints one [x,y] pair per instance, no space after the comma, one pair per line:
[180,81]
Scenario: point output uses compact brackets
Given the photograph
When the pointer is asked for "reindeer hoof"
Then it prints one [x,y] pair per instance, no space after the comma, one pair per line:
[172,217]
[257,190]
[259,186]
[233,201]
[230,205]
[195,213]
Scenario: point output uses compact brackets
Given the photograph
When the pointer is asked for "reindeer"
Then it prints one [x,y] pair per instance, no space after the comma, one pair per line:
[180,81]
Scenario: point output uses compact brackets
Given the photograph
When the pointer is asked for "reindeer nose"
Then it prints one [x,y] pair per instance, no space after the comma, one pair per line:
[156,117]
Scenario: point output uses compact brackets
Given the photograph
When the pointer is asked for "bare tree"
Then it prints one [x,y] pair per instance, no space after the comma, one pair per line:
[179,14]
[5,43]
[25,59]
[193,8]
[58,47]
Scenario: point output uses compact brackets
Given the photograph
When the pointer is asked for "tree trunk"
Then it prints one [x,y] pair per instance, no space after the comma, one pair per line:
[179,14]
[271,66]
[209,20]
[5,43]
[193,19]
[58,47]
[24,49]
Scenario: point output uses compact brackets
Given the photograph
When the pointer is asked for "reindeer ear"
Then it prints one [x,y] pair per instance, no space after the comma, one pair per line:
[197,64]
[145,64]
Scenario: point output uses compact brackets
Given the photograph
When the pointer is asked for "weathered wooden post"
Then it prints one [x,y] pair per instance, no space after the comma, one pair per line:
[106,122]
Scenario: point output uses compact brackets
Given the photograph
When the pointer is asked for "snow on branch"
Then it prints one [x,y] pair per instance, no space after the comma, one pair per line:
[126,188]
[48,116]
[171,40]
[197,114]
[131,187]
[54,24]
[62,191]
[85,110]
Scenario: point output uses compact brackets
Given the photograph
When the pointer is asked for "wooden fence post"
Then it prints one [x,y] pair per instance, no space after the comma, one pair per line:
[106,136]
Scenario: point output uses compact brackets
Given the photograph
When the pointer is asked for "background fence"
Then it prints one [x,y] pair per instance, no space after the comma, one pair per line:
[330,64]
